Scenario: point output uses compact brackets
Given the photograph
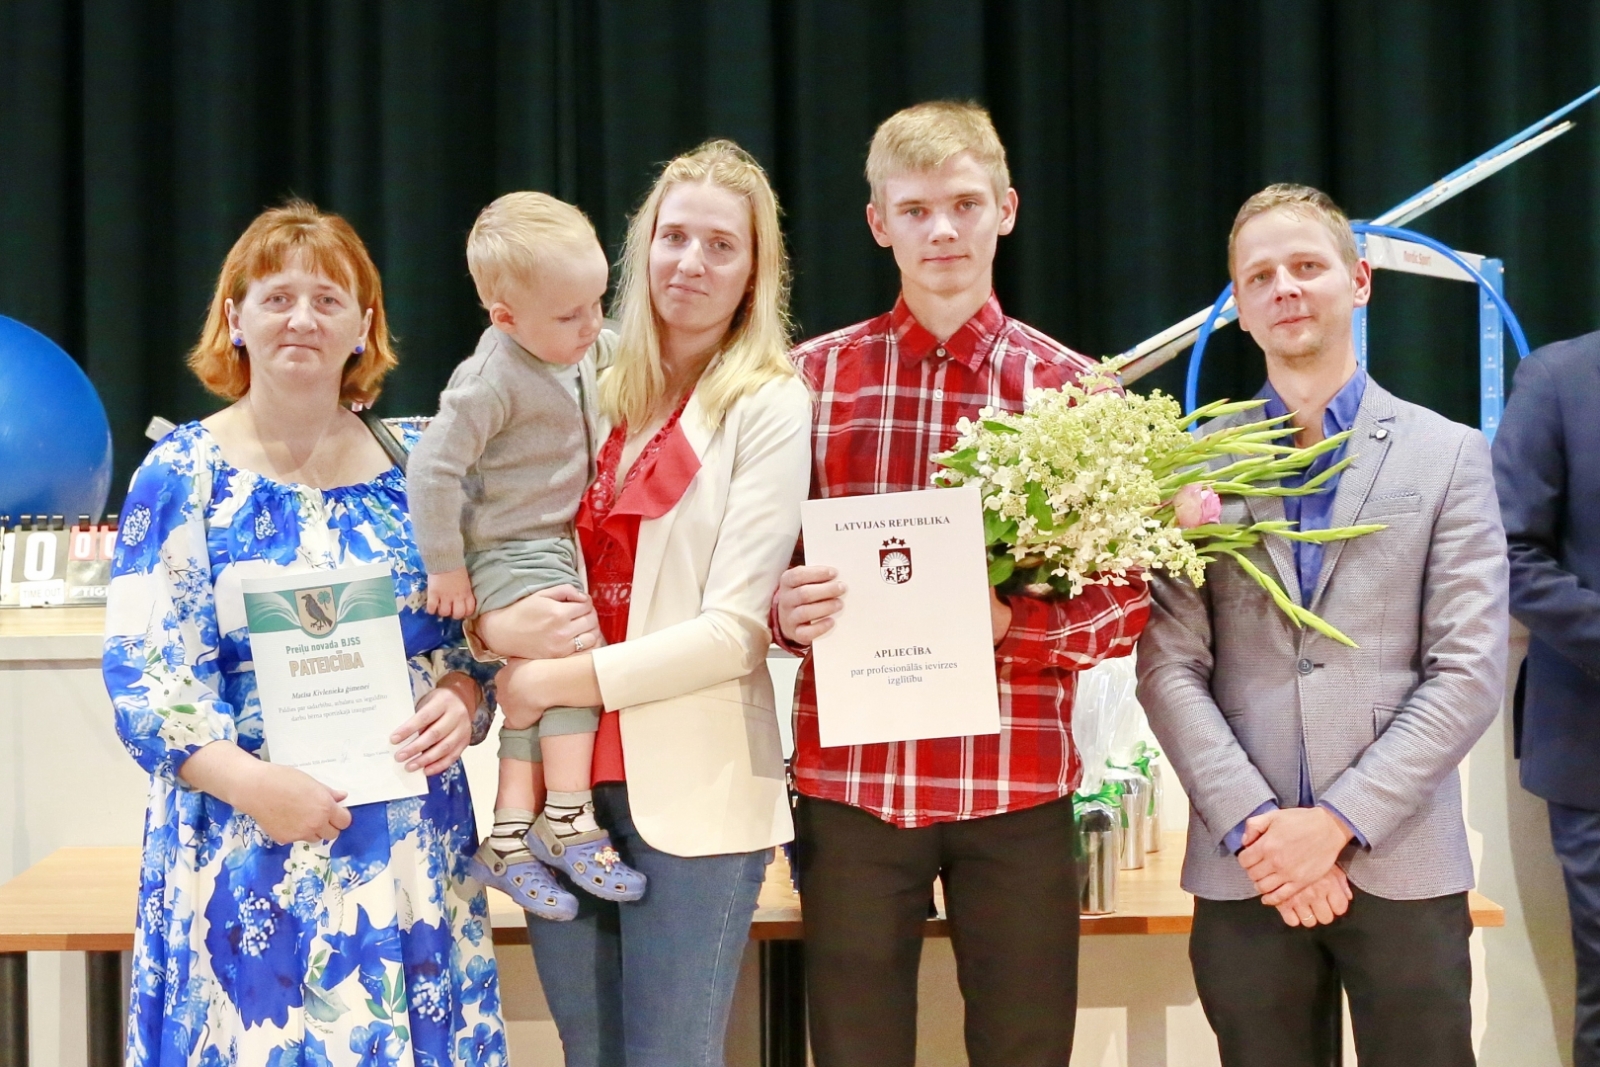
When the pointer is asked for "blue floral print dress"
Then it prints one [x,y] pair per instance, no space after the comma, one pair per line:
[373,951]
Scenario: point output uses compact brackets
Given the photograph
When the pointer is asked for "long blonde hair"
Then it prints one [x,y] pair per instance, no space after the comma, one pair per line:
[756,347]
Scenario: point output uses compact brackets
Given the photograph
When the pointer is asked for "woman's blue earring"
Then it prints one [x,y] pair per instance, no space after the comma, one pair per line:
[238,340]
[360,349]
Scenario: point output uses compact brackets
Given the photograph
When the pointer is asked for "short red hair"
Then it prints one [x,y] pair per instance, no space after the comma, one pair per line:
[331,248]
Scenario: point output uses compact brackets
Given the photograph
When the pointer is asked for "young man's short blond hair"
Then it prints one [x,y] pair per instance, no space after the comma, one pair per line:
[922,137]
[1301,201]
[520,235]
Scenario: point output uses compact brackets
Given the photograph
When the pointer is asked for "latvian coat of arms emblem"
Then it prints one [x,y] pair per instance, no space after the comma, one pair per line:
[894,561]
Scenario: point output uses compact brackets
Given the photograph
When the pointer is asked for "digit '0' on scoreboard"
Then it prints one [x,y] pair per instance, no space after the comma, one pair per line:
[49,565]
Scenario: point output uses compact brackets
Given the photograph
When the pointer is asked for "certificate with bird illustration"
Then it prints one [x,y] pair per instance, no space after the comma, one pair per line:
[331,672]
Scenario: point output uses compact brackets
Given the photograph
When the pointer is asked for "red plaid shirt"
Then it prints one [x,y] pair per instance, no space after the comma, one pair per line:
[888,397]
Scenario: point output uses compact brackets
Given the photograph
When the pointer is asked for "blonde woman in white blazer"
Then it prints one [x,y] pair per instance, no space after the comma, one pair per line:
[711,449]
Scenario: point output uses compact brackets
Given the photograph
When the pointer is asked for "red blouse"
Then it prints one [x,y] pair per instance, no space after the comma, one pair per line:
[608,530]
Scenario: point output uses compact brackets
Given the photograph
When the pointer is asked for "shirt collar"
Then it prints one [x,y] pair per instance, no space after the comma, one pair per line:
[1337,417]
[510,344]
[969,345]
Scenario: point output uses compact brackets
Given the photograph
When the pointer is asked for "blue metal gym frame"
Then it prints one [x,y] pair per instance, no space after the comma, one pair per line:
[1407,250]
[1388,246]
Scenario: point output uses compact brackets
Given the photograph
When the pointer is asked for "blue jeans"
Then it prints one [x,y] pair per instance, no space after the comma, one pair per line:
[649,984]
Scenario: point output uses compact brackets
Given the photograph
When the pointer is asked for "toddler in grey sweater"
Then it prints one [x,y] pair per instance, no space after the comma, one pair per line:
[493,486]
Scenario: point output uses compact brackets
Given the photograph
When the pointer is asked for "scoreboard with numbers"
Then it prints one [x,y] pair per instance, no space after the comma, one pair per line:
[46,563]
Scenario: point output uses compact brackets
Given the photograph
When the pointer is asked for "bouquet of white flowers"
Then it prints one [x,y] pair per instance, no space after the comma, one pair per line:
[1089,482]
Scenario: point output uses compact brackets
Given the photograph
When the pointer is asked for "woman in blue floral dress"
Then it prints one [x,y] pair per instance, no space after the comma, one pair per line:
[277,927]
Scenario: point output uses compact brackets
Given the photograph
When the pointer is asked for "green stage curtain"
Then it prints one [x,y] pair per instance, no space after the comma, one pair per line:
[138,138]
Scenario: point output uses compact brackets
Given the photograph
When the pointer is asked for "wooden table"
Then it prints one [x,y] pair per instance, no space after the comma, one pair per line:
[25,631]
[83,900]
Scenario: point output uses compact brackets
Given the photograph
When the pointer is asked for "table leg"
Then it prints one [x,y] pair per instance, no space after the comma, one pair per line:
[106,1015]
[13,1009]
[783,1004]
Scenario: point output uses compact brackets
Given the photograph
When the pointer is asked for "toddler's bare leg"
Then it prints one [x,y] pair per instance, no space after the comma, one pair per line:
[521,786]
[568,760]
[521,790]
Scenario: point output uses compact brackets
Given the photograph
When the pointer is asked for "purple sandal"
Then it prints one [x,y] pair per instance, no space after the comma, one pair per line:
[589,859]
[526,881]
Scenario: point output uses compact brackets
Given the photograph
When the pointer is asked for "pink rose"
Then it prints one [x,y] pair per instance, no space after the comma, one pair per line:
[1196,505]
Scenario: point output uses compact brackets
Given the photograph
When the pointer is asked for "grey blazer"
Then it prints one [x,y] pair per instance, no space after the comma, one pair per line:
[1231,686]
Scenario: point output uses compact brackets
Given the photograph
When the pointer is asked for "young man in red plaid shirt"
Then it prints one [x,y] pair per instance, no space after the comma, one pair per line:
[990,815]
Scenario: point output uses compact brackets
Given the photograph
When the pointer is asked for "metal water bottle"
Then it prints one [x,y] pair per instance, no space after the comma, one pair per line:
[1099,842]
[1135,813]
[1152,822]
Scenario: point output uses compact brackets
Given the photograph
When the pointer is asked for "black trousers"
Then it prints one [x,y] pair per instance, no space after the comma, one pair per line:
[1270,990]
[1575,832]
[1011,895]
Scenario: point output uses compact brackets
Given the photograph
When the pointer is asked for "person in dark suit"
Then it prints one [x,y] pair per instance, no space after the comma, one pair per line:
[1547,471]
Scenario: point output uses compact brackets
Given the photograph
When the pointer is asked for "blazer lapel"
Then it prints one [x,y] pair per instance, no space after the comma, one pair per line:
[1369,444]
[1270,509]
[651,549]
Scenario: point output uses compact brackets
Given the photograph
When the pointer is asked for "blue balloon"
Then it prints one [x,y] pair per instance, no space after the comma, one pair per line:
[55,442]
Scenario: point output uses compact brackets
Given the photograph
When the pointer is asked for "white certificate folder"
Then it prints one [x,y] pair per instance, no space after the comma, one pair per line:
[331,672]
[911,655]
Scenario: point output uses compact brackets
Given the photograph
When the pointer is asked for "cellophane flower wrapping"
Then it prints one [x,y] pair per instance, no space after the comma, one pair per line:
[1107,720]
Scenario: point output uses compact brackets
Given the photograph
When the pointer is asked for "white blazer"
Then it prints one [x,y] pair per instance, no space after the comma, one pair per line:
[699,730]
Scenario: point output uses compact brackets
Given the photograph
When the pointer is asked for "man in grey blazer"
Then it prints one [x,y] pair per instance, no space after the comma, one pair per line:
[1326,842]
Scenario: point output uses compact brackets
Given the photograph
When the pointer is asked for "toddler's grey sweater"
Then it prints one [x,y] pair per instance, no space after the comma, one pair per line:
[509,455]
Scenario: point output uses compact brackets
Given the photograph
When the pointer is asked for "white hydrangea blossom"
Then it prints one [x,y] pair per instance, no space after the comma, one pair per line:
[1079,488]
[1077,475]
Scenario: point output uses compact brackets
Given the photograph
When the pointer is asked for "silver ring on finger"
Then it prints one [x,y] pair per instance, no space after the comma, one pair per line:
[577,643]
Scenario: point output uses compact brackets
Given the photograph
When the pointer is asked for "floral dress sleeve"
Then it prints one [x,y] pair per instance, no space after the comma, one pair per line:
[160,660]
[458,657]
